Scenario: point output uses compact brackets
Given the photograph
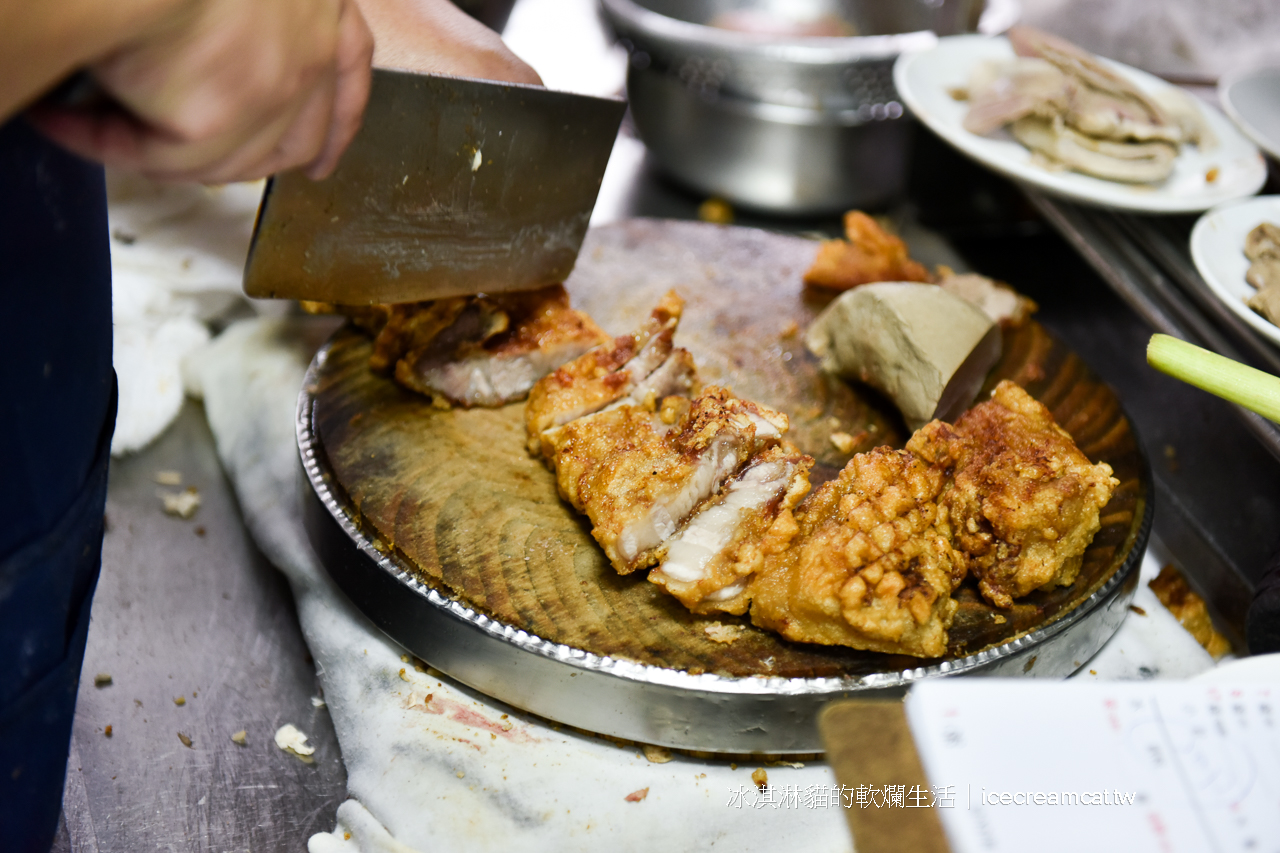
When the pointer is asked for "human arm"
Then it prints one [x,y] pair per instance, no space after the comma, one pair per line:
[208,90]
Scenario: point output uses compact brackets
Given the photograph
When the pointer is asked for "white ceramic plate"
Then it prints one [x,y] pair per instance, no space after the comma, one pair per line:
[1217,248]
[925,79]
[1252,99]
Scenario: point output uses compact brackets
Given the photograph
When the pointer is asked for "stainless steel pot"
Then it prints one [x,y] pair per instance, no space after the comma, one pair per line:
[793,125]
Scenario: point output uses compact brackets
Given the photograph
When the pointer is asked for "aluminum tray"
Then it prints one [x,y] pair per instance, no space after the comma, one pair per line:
[624,699]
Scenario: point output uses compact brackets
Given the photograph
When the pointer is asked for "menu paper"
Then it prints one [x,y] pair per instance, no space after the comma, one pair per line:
[1133,766]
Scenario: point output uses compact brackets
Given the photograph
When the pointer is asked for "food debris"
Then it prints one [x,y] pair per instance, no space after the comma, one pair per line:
[716,210]
[1174,593]
[999,619]
[180,701]
[1136,609]
[240,738]
[186,741]
[720,633]
[1211,175]
[1093,672]
[843,442]
[760,777]
[637,796]
[182,504]
[403,677]
[102,679]
[656,754]
[317,702]
[291,740]
[404,658]
[798,765]
[107,731]
[168,478]
[199,531]
[790,330]
[461,775]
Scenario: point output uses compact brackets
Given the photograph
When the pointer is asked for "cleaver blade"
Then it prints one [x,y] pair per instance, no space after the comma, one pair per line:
[451,187]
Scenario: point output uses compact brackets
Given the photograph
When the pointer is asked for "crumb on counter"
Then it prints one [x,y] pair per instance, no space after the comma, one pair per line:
[1136,609]
[186,740]
[180,700]
[1212,175]
[102,679]
[761,777]
[107,731]
[168,478]
[240,738]
[790,329]
[637,796]
[182,504]
[291,740]
[656,754]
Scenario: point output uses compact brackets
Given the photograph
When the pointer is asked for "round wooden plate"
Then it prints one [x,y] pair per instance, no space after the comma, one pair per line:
[452,505]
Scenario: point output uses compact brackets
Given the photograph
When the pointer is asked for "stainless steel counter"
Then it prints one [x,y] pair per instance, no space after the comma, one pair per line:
[191,609]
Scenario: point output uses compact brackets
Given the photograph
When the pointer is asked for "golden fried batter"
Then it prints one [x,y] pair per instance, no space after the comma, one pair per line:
[868,254]
[709,563]
[1023,500]
[603,375]
[638,479]
[870,565]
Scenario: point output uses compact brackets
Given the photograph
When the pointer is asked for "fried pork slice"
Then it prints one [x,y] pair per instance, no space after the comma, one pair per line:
[604,375]
[869,253]
[709,564]
[1023,501]
[870,565]
[497,347]
[638,479]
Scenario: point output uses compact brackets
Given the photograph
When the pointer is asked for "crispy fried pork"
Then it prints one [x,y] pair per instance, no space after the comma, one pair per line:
[868,253]
[1023,500]
[707,489]
[609,373]
[499,346]
[641,479]
[474,350]
[870,566]
[709,564]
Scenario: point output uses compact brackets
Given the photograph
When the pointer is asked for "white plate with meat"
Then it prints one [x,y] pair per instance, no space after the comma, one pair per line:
[1217,248]
[1224,167]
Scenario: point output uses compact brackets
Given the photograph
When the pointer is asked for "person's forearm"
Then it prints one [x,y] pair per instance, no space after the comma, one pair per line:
[42,41]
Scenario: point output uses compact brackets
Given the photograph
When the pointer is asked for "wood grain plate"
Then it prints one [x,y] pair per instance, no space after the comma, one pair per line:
[454,497]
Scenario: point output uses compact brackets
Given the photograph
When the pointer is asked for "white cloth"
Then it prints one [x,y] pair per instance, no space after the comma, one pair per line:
[177,260]
[434,766]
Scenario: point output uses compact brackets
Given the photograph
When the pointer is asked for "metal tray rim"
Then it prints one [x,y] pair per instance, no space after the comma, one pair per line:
[319,478]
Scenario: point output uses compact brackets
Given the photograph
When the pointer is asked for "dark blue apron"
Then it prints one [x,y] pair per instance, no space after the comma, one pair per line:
[57,408]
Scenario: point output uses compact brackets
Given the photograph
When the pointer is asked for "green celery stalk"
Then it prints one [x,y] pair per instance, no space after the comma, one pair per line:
[1255,390]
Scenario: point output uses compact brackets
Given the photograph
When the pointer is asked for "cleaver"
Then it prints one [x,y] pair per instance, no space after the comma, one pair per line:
[451,187]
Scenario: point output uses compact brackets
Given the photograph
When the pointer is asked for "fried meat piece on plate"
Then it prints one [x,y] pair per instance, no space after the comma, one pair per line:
[473,350]
[870,565]
[868,254]
[497,347]
[709,564]
[639,479]
[1023,501]
[613,373]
